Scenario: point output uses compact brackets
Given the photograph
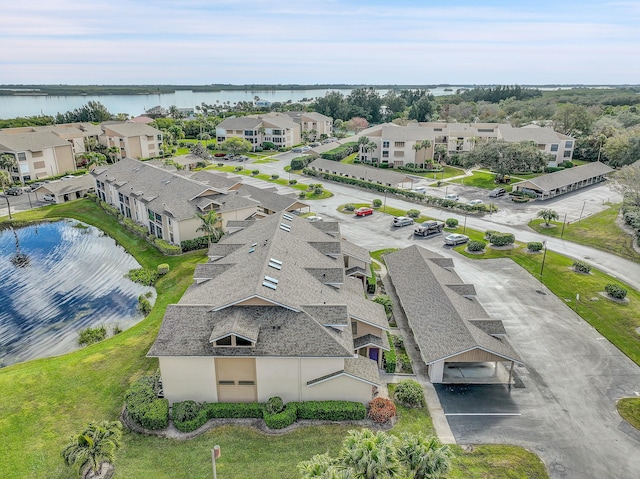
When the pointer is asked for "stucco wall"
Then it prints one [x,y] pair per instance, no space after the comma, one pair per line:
[343,388]
[189,378]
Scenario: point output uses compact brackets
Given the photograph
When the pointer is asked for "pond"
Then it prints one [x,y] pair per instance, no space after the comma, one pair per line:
[57,279]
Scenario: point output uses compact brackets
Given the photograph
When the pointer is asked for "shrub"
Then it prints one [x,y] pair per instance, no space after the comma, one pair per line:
[381,410]
[220,165]
[299,163]
[92,335]
[413,213]
[185,411]
[162,269]
[340,152]
[451,222]
[349,207]
[302,195]
[385,301]
[143,276]
[390,358]
[274,405]
[293,182]
[267,145]
[275,177]
[166,248]
[534,246]
[282,419]
[234,410]
[238,168]
[615,291]
[581,267]
[377,203]
[116,330]
[196,243]
[144,407]
[409,393]
[318,191]
[255,172]
[331,410]
[476,246]
[489,233]
[144,305]
[502,239]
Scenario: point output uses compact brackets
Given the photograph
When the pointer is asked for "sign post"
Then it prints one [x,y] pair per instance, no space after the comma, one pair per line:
[215,454]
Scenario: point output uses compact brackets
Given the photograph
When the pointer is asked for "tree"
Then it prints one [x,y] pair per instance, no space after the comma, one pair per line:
[209,226]
[94,112]
[623,148]
[113,152]
[236,145]
[8,162]
[573,120]
[199,150]
[425,456]
[505,158]
[94,446]
[5,181]
[421,145]
[441,151]
[547,215]
[94,159]
[371,455]
[423,109]
[628,183]
[357,124]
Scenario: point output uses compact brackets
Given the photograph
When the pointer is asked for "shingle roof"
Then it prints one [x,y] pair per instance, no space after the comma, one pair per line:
[33,141]
[568,176]
[374,175]
[71,185]
[216,179]
[129,129]
[438,316]
[240,123]
[359,368]
[537,134]
[297,312]
[270,199]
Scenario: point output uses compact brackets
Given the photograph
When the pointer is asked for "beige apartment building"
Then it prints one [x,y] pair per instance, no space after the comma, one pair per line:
[276,128]
[134,140]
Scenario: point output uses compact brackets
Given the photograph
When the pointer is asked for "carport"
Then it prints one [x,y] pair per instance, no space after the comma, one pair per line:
[456,339]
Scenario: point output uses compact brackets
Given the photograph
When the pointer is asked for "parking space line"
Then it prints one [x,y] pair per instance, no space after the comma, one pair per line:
[483,414]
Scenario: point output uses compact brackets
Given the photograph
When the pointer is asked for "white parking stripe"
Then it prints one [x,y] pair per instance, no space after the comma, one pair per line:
[483,414]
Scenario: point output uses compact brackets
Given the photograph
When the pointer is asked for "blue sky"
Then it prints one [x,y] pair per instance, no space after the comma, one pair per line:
[328,41]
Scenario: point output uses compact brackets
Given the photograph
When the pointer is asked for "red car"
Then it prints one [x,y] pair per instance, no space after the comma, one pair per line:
[364,211]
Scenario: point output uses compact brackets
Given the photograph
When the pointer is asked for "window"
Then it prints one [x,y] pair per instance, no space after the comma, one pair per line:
[246,383]
[158,218]
[248,133]
[36,154]
[226,383]
[399,144]
[152,215]
[159,137]
[22,157]
[354,327]
[226,341]
[385,144]
[276,132]
[242,342]
[567,154]
[485,130]
[398,154]
[568,144]
[385,154]
[554,147]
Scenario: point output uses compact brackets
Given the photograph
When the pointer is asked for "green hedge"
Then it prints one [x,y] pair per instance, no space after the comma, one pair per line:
[282,419]
[197,243]
[615,291]
[340,152]
[143,405]
[502,239]
[390,357]
[166,248]
[332,410]
[371,280]
[429,200]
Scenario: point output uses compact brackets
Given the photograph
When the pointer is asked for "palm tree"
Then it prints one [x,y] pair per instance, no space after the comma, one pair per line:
[547,215]
[208,226]
[5,181]
[441,151]
[112,153]
[95,159]
[370,455]
[94,446]
[425,456]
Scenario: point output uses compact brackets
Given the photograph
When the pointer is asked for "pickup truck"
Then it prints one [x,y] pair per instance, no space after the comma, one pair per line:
[429,228]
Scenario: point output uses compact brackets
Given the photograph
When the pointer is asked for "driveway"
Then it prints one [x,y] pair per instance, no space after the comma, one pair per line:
[563,406]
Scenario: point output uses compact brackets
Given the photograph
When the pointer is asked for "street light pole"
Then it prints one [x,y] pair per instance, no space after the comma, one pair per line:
[564,222]
[215,454]
[544,256]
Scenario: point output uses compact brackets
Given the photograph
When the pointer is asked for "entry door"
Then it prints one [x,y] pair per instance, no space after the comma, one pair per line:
[236,379]
[373,354]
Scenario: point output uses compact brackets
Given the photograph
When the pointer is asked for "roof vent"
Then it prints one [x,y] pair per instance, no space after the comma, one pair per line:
[251,250]
[274,263]
[270,282]
[285,227]
[254,245]
[287,217]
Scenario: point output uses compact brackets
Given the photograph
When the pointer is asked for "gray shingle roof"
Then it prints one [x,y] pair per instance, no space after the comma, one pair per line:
[216,179]
[568,176]
[297,315]
[71,185]
[130,129]
[359,368]
[438,316]
[374,175]
[32,141]
[270,199]
[372,340]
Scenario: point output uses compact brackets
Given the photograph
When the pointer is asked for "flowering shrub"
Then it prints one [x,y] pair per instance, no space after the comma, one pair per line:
[381,410]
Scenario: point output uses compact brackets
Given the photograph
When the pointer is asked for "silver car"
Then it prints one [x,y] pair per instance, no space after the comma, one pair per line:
[455,239]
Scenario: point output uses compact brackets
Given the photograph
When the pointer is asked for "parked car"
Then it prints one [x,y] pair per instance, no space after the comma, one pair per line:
[241,158]
[49,198]
[67,177]
[15,191]
[313,219]
[305,148]
[420,189]
[429,228]
[402,221]
[364,211]
[475,202]
[455,238]
[452,197]
[297,150]
[35,186]
[314,144]
[496,192]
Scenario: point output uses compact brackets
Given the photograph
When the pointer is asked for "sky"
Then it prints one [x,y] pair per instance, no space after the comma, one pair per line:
[400,42]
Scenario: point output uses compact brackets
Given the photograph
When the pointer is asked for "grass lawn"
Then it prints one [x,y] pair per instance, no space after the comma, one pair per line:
[45,401]
[446,173]
[350,159]
[480,179]
[629,408]
[598,231]
[377,254]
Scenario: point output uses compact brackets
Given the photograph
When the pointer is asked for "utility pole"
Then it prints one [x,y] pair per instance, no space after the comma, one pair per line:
[564,222]
[544,256]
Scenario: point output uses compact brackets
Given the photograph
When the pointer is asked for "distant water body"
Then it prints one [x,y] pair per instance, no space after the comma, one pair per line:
[134,105]
[74,279]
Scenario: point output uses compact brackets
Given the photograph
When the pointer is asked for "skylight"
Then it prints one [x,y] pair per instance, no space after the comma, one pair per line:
[269,285]
[285,227]
[270,279]
[274,263]
[287,216]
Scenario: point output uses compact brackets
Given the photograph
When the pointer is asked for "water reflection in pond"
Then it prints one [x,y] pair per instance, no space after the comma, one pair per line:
[69,276]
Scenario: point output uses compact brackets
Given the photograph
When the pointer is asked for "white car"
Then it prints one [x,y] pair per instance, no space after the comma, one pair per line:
[49,198]
[420,189]
[67,177]
[314,218]
[452,197]
[475,202]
